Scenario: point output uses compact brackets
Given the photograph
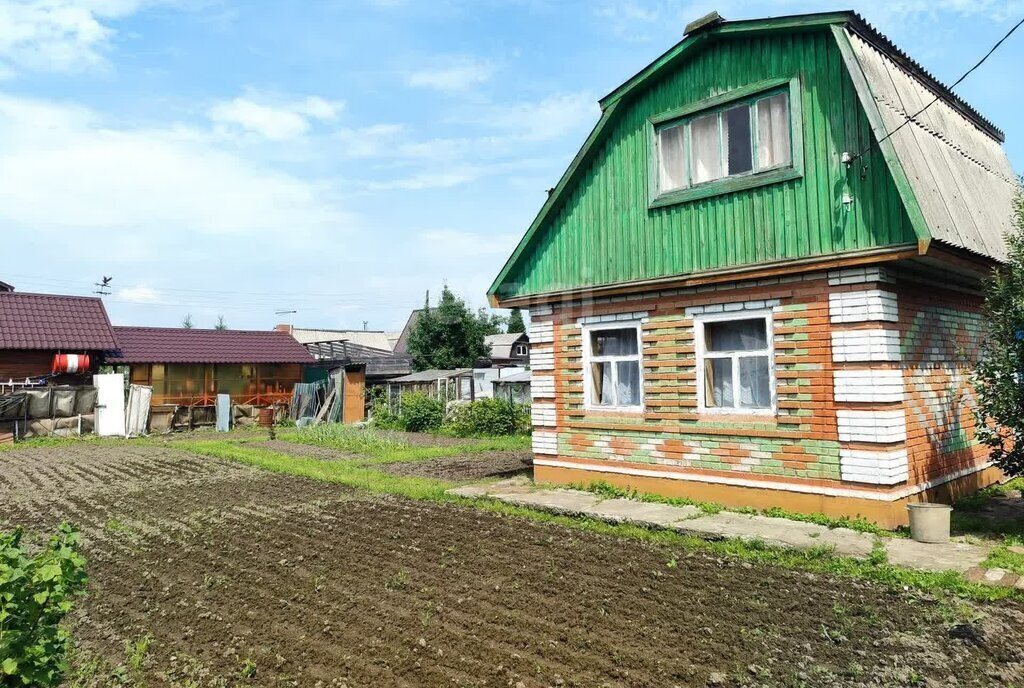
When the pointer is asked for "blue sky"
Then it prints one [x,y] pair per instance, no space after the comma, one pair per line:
[338,158]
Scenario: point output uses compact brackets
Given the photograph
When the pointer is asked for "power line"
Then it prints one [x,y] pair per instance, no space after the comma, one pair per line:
[950,88]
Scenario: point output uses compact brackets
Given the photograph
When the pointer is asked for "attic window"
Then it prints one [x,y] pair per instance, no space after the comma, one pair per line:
[727,143]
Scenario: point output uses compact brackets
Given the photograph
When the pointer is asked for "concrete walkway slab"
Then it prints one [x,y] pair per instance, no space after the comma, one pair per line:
[948,556]
[571,502]
[642,513]
[952,556]
[779,532]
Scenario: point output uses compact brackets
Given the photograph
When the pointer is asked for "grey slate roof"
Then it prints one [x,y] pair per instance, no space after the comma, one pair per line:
[959,173]
[501,344]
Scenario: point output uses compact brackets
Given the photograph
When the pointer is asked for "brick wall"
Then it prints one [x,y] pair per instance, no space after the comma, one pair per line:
[798,443]
[940,331]
[870,382]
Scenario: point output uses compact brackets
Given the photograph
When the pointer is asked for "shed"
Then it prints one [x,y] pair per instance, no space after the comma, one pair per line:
[36,327]
[190,367]
[513,388]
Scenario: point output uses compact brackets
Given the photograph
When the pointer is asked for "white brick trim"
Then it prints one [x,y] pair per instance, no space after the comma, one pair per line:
[542,386]
[612,317]
[863,306]
[542,332]
[871,426]
[859,276]
[730,307]
[545,442]
[866,345]
[869,385]
[875,467]
[543,414]
[542,357]
[541,310]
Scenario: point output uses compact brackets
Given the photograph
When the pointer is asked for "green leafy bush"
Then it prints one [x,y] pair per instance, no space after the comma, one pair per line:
[380,412]
[488,417]
[420,413]
[35,595]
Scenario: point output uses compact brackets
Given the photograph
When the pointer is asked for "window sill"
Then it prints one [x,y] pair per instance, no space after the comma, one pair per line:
[728,185]
[731,415]
[613,411]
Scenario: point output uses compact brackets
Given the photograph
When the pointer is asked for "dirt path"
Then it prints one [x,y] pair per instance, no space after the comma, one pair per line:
[494,464]
[249,578]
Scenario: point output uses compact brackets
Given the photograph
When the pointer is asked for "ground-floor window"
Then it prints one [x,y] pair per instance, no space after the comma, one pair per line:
[613,368]
[734,362]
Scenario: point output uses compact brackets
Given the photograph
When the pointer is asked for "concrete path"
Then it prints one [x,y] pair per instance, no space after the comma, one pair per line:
[956,556]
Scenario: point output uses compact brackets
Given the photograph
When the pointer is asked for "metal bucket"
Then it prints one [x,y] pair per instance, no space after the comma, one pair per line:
[929,522]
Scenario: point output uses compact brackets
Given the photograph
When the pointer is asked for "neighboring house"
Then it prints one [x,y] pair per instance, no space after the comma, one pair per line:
[4,287]
[370,338]
[35,328]
[743,290]
[512,349]
[190,367]
[381,364]
[401,345]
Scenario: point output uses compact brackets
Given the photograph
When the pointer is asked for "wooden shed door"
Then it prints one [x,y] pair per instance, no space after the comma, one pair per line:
[355,387]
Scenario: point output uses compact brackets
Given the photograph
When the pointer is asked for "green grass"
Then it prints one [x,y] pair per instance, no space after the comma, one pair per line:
[380,447]
[861,525]
[820,560]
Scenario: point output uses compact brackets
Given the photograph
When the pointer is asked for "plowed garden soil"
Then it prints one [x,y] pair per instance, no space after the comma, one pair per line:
[243,577]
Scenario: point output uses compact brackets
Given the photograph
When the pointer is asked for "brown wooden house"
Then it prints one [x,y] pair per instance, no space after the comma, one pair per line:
[190,367]
[34,328]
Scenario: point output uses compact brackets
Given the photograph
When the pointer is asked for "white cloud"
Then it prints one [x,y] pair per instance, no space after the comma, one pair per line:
[426,180]
[138,294]
[551,118]
[461,75]
[60,35]
[65,172]
[371,141]
[278,122]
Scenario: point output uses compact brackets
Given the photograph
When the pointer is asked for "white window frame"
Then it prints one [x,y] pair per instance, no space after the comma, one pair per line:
[589,358]
[521,350]
[702,355]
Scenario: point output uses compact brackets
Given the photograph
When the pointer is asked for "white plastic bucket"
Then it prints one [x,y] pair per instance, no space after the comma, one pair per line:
[929,522]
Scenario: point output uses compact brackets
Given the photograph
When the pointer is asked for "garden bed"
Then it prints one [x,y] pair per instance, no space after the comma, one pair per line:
[245,577]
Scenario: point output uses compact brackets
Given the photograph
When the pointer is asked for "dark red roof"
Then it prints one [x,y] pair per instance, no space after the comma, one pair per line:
[49,321]
[180,345]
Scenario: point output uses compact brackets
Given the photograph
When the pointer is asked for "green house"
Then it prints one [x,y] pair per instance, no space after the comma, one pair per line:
[757,279]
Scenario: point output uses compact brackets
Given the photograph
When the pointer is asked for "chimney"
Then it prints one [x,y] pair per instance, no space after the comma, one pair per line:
[284,328]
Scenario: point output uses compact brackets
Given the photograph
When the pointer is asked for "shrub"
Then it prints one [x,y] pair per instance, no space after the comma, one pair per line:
[420,413]
[35,595]
[488,417]
[380,412]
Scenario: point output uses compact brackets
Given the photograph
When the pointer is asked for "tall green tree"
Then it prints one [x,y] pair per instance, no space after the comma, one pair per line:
[515,322]
[999,374]
[221,325]
[186,322]
[449,335]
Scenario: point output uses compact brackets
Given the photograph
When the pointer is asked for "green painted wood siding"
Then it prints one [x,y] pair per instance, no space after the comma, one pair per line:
[604,233]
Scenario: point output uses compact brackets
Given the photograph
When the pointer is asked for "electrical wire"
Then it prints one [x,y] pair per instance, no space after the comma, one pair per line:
[911,118]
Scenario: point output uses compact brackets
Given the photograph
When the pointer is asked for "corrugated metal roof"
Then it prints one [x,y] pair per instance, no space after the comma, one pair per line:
[180,345]
[960,175]
[516,378]
[49,321]
[433,375]
[374,339]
